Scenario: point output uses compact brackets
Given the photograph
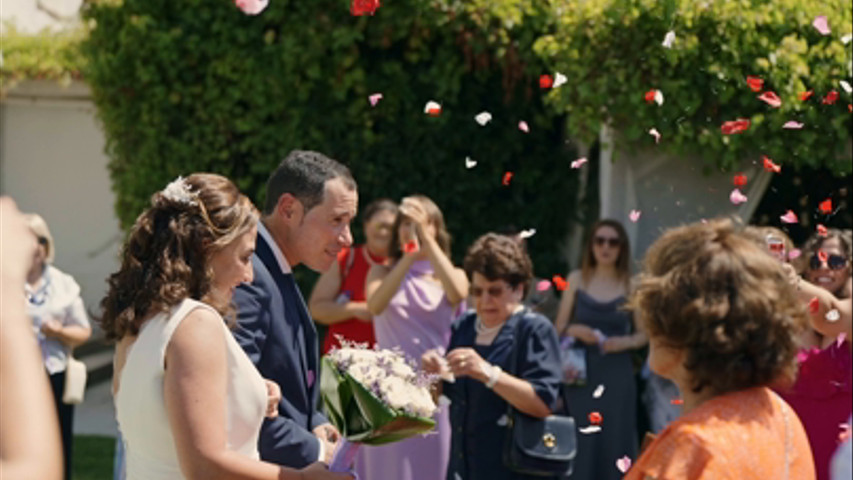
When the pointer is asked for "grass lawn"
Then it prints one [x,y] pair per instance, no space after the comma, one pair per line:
[93,457]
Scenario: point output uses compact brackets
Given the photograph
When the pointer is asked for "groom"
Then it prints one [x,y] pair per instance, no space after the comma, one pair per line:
[311,200]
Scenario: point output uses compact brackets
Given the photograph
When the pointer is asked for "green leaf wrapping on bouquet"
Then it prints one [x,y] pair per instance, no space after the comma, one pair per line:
[359,415]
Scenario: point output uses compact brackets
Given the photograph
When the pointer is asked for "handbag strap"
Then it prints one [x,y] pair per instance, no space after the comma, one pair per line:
[513,364]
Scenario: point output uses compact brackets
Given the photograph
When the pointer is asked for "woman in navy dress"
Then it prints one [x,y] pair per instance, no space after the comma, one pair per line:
[479,356]
[591,313]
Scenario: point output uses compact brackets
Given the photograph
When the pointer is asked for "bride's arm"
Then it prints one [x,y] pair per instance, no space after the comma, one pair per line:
[194,389]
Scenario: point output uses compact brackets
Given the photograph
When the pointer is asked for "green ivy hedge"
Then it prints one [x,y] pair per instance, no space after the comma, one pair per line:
[612,53]
[198,86]
[43,56]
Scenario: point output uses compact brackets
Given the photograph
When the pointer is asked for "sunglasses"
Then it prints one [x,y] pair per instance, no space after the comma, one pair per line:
[613,242]
[834,262]
[42,241]
[493,292]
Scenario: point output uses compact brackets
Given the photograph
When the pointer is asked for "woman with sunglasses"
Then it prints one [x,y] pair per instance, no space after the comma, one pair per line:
[413,301]
[591,315]
[480,353]
[823,393]
[59,320]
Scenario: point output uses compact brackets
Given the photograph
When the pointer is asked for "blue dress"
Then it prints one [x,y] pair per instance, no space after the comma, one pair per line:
[598,452]
[477,413]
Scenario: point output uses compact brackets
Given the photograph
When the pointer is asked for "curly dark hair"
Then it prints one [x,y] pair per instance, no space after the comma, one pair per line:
[498,257]
[165,258]
[712,291]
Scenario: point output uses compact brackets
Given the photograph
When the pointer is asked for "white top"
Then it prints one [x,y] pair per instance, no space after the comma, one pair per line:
[56,296]
[141,408]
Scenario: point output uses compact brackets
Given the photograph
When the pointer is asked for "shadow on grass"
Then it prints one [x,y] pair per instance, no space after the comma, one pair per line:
[93,457]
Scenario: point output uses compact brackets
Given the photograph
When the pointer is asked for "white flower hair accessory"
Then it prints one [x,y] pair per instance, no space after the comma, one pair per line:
[179,191]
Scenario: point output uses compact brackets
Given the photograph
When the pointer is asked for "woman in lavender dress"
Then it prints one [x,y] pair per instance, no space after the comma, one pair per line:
[413,302]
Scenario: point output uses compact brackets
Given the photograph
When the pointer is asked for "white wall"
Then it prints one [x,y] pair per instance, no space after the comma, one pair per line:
[52,163]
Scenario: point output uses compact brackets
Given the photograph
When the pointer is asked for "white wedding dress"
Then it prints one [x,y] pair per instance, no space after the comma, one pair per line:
[140,404]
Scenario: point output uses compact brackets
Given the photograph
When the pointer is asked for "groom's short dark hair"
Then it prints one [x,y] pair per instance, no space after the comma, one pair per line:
[303,174]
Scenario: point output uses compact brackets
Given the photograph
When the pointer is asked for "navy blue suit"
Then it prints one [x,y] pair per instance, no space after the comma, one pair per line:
[276,331]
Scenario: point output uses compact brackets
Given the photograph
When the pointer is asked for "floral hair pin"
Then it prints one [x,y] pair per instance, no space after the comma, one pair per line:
[179,191]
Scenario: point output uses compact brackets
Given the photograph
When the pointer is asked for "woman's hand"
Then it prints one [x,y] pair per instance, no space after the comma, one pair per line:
[466,362]
[617,344]
[416,213]
[273,397]
[51,328]
[583,333]
[319,471]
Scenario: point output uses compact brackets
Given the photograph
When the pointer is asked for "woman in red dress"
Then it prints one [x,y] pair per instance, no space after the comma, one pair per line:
[338,300]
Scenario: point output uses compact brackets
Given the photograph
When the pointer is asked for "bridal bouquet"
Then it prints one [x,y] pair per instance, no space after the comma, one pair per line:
[373,397]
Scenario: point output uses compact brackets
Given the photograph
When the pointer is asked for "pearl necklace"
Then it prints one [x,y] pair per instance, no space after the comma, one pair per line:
[482,329]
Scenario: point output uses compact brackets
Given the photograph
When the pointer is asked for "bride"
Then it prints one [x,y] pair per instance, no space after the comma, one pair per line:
[189,402]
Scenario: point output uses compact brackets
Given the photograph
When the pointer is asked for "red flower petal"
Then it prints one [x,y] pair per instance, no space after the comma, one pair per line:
[806,95]
[735,126]
[821,230]
[814,305]
[545,81]
[769,165]
[410,247]
[740,180]
[755,83]
[507,178]
[595,418]
[771,99]
[830,98]
[363,7]
[650,96]
[825,206]
[676,401]
[559,282]
[822,256]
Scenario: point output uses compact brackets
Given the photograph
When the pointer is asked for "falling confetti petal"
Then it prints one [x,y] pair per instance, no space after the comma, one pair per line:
[483,118]
[735,126]
[432,108]
[590,429]
[522,125]
[755,83]
[503,421]
[560,283]
[668,39]
[659,97]
[654,132]
[545,82]
[525,234]
[579,162]
[770,98]
[739,180]
[806,95]
[821,24]
[599,391]
[822,256]
[251,7]
[821,230]
[363,7]
[737,197]
[410,247]
[374,99]
[543,285]
[559,80]
[830,98]
[846,86]
[792,125]
[789,217]
[507,178]
[595,418]
[833,315]
[846,39]
[676,401]
[634,215]
[769,165]
[623,464]
[470,163]
[794,254]
[825,206]
[814,305]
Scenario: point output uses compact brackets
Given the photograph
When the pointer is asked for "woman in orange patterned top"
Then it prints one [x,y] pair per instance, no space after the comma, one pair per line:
[722,322]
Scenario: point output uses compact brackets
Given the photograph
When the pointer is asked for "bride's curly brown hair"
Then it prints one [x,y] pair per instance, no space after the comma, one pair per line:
[166,256]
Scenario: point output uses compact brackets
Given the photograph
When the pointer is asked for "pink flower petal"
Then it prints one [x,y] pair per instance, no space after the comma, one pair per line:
[543,285]
[522,125]
[789,217]
[374,99]
[737,197]
[251,7]
[623,464]
[792,125]
[822,25]
[634,215]
[579,162]
[794,254]
[770,98]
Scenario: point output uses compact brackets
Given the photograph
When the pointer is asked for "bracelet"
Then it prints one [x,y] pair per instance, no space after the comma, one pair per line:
[494,373]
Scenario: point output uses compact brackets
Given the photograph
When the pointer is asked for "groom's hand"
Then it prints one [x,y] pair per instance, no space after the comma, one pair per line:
[330,436]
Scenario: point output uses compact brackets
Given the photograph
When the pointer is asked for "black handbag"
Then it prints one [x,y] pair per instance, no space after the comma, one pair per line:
[538,446]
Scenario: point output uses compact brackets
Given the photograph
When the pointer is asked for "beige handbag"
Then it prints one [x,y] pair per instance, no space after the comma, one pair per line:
[75,381]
